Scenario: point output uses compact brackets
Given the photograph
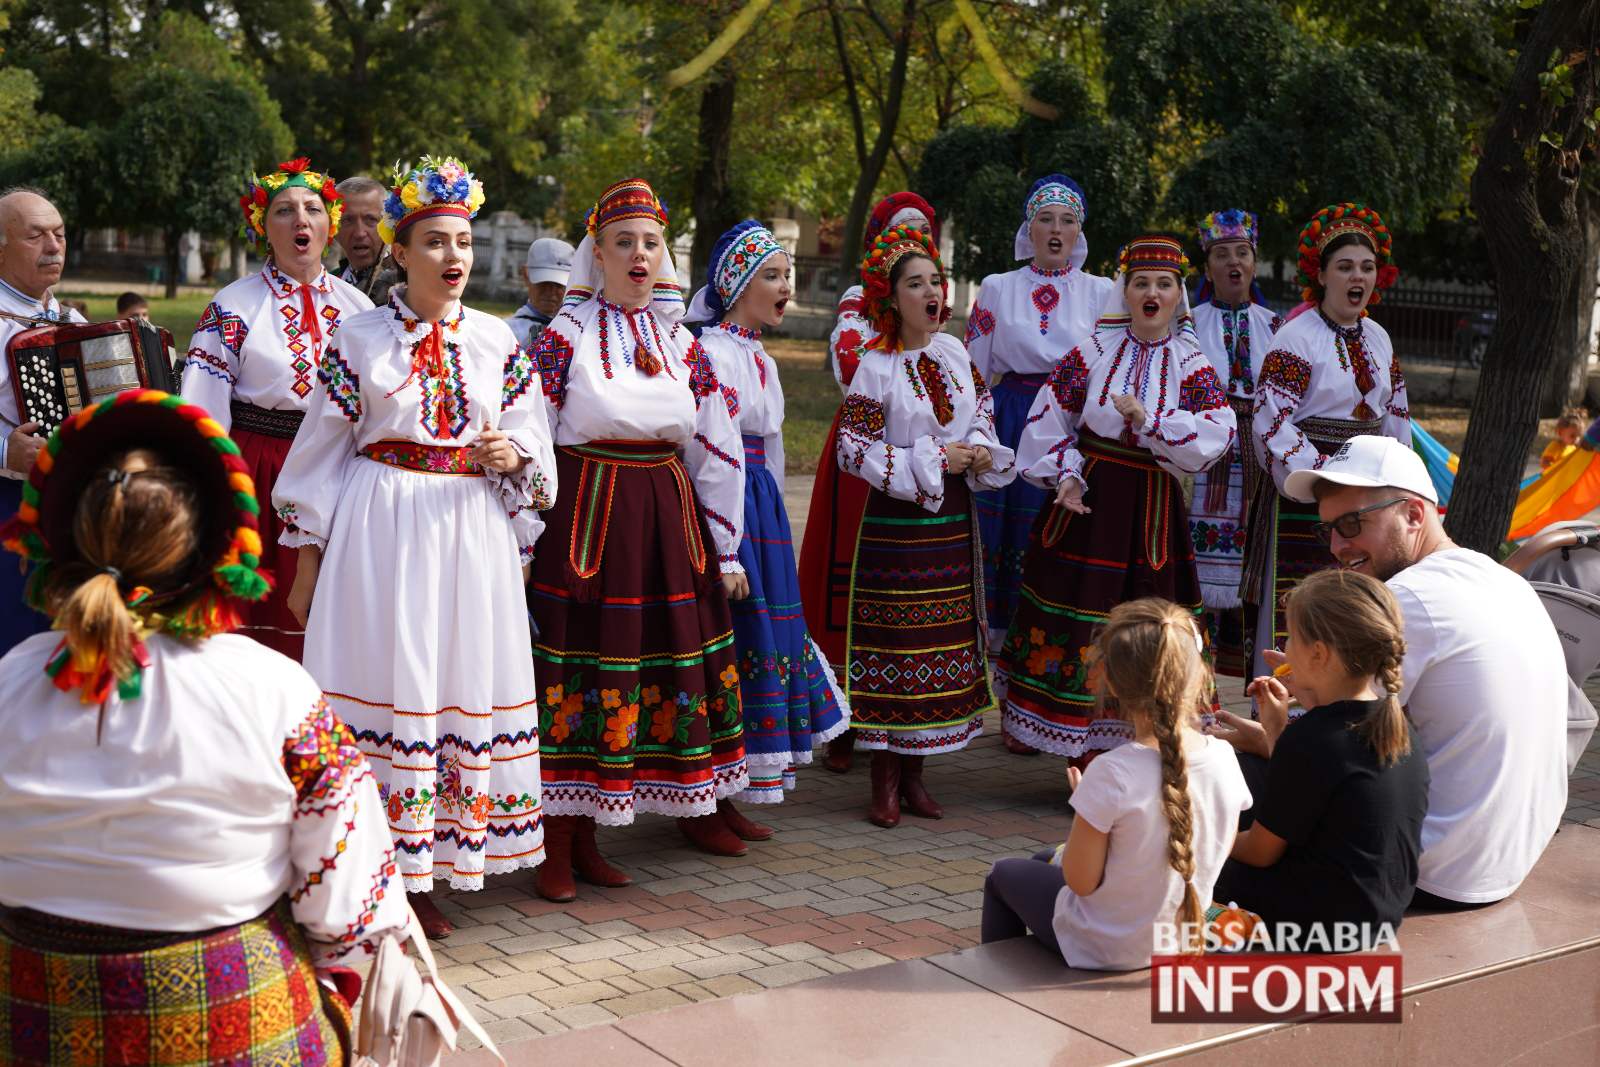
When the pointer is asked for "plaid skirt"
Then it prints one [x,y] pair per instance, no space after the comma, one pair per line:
[245,995]
[639,707]
[1134,544]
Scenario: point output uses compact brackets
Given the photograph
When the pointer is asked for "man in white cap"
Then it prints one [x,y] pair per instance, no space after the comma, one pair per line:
[1484,677]
[549,265]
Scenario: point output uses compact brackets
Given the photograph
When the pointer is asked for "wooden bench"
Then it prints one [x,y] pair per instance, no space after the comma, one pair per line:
[1515,982]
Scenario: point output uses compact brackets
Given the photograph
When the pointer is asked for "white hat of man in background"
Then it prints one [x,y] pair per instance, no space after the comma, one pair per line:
[549,260]
[1367,460]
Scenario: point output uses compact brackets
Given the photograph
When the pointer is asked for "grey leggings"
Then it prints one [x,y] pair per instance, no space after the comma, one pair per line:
[1020,895]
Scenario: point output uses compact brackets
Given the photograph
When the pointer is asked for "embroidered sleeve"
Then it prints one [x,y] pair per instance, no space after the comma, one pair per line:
[526,492]
[1048,449]
[850,334]
[1004,468]
[211,367]
[1397,412]
[1198,432]
[1279,444]
[915,473]
[980,327]
[307,488]
[346,890]
[552,356]
[715,458]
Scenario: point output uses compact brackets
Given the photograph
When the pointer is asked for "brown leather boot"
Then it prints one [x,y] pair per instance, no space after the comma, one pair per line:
[841,753]
[554,880]
[435,927]
[739,824]
[885,810]
[587,863]
[913,794]
[709,833]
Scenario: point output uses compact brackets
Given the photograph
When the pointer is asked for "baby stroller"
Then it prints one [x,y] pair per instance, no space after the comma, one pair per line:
[1562,563]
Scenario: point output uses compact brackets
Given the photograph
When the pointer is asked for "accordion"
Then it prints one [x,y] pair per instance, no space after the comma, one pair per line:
[58,369]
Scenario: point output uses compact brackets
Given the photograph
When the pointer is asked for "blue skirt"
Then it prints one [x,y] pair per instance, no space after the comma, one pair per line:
[791,700]
[1005,516]
[18,622]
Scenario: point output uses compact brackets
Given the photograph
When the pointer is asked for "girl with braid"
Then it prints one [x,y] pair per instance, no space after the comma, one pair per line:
[1154,820]
[1338,830]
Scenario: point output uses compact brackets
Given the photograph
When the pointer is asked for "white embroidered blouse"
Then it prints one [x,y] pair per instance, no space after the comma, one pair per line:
[261,339]
[1315,371]
[1025,320]
[848,341]
[224,786]
[1235,340]
[594,362]
[748,378]
[902,411]
[1188,425]
[374,386]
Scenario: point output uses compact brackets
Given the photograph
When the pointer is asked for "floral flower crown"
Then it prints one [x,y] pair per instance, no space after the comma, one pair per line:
[1233,224]
[1352,216]
[433,187]
[291,174]
[887,249]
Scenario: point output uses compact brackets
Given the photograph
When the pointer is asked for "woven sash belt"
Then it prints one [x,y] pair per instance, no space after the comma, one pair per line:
[425,459]
[269,422]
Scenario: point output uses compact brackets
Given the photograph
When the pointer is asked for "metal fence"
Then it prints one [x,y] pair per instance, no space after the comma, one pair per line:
[1427,321]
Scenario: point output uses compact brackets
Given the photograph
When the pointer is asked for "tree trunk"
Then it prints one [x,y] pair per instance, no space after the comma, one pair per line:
[1526,196]
[1569,377]
[170,236]
[714,209]
[872,168]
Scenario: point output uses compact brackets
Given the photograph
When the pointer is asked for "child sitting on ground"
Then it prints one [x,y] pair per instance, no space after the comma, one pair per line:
[1154,819]
[1569,427]
[1338,829]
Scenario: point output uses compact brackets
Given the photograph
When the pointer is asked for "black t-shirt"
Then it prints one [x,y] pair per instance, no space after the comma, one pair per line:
[1354,829]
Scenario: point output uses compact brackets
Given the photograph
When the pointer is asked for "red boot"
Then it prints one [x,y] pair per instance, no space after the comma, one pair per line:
[749,831]
[841,753]
[885,810]
[709,833]
[435,927]
[1016,746]
[554,880]
[587,863]
[913,794]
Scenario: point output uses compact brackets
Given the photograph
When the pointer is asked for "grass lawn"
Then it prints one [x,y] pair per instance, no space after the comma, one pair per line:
[810,398]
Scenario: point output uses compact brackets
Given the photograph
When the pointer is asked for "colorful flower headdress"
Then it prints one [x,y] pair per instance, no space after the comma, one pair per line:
[1330,222]
[227,569]
[1234,224]
[735,259]
[631,198]
[899,209]
[1153,252]
[889,248]
[431,188]
[291,174]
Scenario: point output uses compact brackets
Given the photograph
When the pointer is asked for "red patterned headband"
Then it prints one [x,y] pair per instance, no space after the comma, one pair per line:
[1154,252]
[631,198]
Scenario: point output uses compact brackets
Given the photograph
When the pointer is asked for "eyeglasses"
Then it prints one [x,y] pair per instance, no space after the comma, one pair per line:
[1348,525]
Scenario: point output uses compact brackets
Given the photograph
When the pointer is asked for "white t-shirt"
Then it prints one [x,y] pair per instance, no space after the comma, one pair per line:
[1486,684]
[1112,929]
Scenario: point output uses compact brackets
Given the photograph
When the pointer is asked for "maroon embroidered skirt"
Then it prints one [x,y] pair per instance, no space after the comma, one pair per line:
[639,707]
[270,621]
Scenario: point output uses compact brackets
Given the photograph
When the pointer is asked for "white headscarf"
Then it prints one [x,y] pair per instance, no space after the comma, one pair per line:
[587,280]
[1045,191]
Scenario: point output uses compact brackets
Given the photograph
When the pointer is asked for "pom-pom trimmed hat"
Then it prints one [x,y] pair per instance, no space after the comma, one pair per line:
[226,568]
[1060,190]
[291,174]
[736,258]
[1332,221]
[432,188]
[899,209]
[888,248]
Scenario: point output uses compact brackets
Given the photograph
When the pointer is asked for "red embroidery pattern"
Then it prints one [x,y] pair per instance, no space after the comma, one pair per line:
[1045,298]
[1201,391]
[1069,382]
[553,355]
[862,415]
[1286,372]
[932,376]
[980,323]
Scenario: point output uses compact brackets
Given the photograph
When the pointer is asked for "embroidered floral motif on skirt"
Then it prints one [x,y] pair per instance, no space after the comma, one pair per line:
[245,995]
[827,550]
[640,705]
[918,677]
[1005,516]
[790,697]
[1077,570]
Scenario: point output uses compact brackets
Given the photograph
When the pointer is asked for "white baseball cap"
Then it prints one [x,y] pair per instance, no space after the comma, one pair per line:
[549,260]
[1367,460]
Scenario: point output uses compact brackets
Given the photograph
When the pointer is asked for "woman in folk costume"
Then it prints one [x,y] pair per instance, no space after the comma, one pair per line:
[1235,328]
[1021,325]
[1121,419]
[918,427]
[412,493]
[791,700]
[639,681]
[254,357]
[828,548]
[1330,375]
[193,846]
